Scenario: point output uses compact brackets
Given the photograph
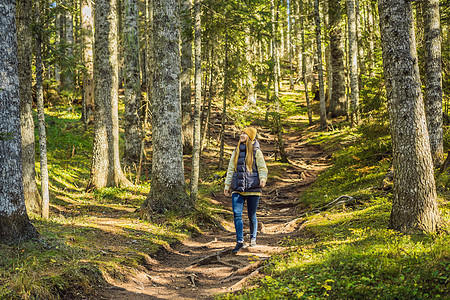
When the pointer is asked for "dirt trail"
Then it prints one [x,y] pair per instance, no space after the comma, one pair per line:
[204,266]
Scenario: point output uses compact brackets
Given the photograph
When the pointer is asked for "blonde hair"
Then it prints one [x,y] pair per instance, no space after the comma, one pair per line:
[248,155]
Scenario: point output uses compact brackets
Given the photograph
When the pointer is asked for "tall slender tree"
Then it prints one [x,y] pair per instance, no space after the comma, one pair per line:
[225,99]
[132,119]
[353,59]
[275,59]
[414,206]
[69,76]
[186,73]
[87,30]
[198,99]
[41,115]
[323,110]
[337,105]
[299,10]
[167,183]
[105,167]
[14,222]
[433,79]
[24,21]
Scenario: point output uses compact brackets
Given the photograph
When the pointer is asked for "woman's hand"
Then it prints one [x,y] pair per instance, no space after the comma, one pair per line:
[262,183]
[226,192]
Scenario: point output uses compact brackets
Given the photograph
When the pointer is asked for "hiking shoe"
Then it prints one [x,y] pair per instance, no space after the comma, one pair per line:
[252,242]
[239,246]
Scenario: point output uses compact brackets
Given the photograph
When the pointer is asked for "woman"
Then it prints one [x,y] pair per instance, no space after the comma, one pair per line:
[246,176]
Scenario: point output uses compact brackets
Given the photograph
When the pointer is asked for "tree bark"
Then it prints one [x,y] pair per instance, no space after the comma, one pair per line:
[186,73]
[41,116]
[224,104]
[105,167]
[132,119]
[251,96]
[323,110]
[150,62]
[14,222]
[353,59]
[414,205]
[24,49]
[198,101]
[337,105]
[69,78]
[275,59]
[167,184]
[87,27]
[299,8]
[433,79]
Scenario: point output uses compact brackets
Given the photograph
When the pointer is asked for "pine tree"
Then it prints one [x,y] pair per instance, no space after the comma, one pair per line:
[105,167]
[14,222]
[414,206]
[167,183]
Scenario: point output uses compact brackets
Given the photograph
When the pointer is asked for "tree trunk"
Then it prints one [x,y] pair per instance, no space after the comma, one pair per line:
[353,60]
[132,118]
[87,27]
[337,102]
[186,72]
[150,62]
[207,127]
[414,205]
[24,49]
[69,77]
[323,110]
[299,8]
[359,30]
[251,97]
[41,117]
[105,167]
[224,105]
[167,184]
[277,117]
[198,99]
[433,79]
[14,222]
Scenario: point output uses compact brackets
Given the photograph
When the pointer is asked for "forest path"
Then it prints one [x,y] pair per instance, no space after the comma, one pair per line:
[203,266]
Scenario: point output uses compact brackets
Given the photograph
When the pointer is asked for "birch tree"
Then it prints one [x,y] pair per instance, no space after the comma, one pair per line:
[14,222]
[433,79]
[132,119]
[414,206]
[24,49]
[167,183]
[105,167]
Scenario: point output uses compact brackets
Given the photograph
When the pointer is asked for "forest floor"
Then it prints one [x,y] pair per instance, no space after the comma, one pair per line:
[203,266]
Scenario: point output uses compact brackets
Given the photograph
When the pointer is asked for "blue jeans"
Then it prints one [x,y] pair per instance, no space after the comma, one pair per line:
[238,207]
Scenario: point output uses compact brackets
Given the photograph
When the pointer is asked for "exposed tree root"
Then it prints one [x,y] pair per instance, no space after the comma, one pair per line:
[240,273]
[212,258]
[341,200]
[238,285]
